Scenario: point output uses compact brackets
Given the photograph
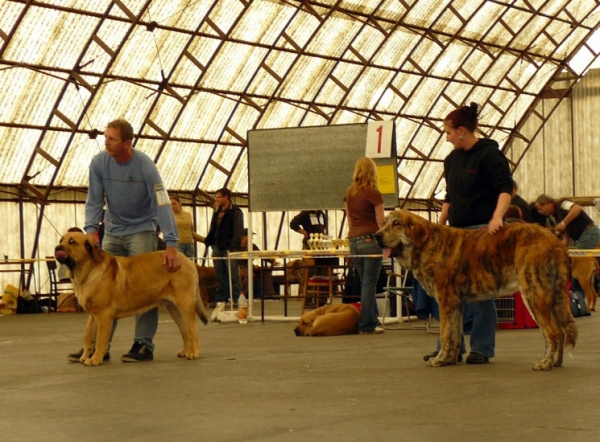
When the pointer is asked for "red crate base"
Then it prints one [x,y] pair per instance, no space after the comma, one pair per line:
[512,313]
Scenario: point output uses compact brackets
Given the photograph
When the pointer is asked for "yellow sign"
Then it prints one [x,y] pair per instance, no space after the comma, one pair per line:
[387,182]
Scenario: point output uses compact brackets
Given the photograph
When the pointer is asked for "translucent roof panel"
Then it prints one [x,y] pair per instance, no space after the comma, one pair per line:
[193,77]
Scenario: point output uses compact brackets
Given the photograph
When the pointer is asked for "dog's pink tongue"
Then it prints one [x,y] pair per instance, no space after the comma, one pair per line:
[60,254]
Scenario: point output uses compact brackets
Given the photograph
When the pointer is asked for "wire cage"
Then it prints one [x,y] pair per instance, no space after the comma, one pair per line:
[512,313]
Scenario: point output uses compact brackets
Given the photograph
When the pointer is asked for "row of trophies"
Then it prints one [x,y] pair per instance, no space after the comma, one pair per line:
[319,241]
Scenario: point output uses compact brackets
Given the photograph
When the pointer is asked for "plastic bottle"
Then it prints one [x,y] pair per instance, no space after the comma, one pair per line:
[242,309]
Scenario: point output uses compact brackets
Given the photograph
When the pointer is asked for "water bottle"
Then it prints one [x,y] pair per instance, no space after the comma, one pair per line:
[242,309]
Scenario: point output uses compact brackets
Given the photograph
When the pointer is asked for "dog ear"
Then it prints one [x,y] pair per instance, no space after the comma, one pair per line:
[418,232]
[93,250]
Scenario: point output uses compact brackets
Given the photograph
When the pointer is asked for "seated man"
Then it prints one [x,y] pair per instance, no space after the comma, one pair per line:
[267,277]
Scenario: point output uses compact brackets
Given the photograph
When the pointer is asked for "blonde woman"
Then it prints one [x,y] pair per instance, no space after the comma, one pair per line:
[185,226]
[364,210]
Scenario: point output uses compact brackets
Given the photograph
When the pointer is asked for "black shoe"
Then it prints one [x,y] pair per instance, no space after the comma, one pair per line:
[435,353]
[430,356]
[138,353]
[75,357]
[477,358]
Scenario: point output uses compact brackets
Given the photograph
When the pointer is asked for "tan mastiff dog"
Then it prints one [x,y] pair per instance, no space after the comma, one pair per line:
[329,320]
[584,268]
[461,265]
[111,287]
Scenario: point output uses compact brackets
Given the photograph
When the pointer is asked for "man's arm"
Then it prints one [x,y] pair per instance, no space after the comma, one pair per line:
[94,204]
[166,220]
[238,230]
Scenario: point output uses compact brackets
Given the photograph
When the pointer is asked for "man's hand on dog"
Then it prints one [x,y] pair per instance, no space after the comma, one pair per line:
[171,259]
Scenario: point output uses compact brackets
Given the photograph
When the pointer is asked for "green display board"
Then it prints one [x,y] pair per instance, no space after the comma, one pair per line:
[308,167]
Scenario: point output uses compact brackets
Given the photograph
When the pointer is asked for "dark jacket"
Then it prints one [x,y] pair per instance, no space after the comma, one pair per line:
[304,220]
[525,209]
[228,234]
[474,180]
[577,226]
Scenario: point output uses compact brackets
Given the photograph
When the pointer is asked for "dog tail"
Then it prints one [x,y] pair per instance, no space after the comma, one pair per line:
[200,310]
[564,317]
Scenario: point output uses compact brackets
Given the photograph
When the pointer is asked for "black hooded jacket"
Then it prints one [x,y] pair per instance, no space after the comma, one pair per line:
[474,180]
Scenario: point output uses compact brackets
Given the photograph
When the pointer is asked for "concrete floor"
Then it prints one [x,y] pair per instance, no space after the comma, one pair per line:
[259,382]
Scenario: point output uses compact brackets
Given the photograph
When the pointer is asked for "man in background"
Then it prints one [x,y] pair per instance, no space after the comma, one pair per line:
[224,236]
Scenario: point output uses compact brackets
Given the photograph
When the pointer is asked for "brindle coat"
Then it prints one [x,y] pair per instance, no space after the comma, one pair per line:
[111,287]
[459,265]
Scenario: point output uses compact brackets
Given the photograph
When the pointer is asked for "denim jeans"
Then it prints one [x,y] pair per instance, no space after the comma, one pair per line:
[368,270]
[589,239]
[146,324]
[187,249]
[222,274]
[485,322]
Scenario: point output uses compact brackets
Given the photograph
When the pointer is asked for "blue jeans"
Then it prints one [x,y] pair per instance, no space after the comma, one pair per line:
[187,249]
[589,239]
[146,324]
[368,270]
[222,274]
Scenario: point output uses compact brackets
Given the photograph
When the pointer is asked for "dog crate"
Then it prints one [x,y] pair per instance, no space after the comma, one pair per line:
[512,313]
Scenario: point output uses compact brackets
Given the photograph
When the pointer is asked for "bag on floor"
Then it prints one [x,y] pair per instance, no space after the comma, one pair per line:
[577,301]
[67,303]
[8,306]
[25,305]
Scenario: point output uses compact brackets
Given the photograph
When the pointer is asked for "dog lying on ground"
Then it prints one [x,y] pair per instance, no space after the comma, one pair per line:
[461,265]
[112,287]
[329,320]
[206,280]
[584,268]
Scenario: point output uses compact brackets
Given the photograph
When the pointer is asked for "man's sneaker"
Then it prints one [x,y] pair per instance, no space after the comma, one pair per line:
[138,353]
[220,307]
[75,357]
[375,331]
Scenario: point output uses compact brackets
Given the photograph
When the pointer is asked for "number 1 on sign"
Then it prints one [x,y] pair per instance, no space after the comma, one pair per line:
[379,139]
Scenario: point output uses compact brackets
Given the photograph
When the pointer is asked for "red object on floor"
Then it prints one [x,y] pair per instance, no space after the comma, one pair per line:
[512,313]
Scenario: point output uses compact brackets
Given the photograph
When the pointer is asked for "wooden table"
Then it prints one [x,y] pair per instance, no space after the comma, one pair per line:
[24,267]
[286,255]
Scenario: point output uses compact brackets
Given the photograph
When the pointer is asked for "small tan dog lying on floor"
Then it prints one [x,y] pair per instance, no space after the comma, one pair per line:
[329,320]
[112,287]
[583,268]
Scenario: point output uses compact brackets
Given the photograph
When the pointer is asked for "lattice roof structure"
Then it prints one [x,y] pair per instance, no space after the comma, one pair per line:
[194,76]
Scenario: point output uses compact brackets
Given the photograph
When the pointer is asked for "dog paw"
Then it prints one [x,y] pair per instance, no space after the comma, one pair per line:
[91,362]
[434,362]
[439,362]
[543,365]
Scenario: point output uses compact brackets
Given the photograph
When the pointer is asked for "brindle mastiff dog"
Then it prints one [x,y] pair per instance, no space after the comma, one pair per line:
[111,287]
[460,265]
[329,320]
